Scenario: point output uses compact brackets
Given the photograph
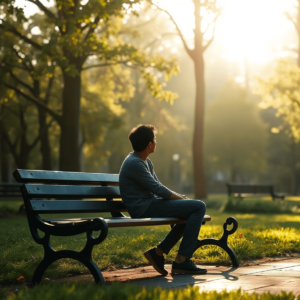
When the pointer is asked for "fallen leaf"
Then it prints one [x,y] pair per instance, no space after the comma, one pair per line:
[247,265]
[21,278]
[30,247]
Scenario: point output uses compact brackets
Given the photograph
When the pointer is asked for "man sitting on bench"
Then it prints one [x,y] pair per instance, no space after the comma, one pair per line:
[146,197]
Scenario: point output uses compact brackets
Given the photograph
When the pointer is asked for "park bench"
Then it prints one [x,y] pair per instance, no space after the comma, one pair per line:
[242,190]
[51,192]
[8,190]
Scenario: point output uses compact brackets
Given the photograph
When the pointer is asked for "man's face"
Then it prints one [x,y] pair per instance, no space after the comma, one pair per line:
[152,145]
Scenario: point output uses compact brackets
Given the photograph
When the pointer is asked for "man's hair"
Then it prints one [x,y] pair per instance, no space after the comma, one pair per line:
[140,136]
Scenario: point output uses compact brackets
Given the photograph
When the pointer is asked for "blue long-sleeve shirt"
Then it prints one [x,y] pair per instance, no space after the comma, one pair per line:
[139,185]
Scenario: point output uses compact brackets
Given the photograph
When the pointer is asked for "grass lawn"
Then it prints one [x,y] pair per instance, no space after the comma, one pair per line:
[119,291]
[262,235]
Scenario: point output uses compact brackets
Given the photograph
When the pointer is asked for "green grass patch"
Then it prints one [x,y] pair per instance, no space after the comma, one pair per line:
[258,205]
[262,236]
[131,292]
[10,207]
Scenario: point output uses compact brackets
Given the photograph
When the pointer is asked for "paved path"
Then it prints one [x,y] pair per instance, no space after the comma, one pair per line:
[272,276]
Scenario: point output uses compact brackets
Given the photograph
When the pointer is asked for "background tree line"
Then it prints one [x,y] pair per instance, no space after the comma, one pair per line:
[75,78]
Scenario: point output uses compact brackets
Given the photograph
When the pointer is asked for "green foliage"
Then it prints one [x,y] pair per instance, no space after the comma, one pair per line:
[235,136]
[281,91]
[70,33]
[131,292]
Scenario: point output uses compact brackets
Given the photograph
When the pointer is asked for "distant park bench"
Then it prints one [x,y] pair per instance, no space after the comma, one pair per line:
[249,190]
[9,190]
[68,188]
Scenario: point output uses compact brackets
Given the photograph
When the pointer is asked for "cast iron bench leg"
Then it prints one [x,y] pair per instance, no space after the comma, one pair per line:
[223,242]
[84,256]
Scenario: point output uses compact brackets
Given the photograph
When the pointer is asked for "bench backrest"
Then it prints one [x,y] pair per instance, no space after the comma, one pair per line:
[247,188]
[62,187]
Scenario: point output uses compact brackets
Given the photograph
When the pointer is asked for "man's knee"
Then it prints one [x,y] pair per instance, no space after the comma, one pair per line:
[201,206]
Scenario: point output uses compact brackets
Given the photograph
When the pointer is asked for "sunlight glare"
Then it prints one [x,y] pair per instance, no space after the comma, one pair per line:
[247,29]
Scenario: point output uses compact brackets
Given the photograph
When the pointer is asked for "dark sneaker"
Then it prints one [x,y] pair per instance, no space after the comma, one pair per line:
[187,267]
[156,261]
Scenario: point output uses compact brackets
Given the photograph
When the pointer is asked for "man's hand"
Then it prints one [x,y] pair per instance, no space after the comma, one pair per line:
[178,196]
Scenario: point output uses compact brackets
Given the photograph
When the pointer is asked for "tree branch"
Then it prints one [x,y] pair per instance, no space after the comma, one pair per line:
[23,63]
[211,40]
[188,50]
[36,140]
[288,16]
[104,65]
[43,8]
[21,36]
[21,82]
[92,29]
[212,22]
[163,35]
[37,102]
[137,25]
[17,67]
[49,87]
[11,145]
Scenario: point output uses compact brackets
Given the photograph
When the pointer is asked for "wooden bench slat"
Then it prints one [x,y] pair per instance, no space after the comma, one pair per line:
[128,222]
[73,206]
[67,191]
[39,176]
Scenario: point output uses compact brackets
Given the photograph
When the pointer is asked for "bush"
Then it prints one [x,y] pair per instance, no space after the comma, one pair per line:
[131,292]
[257,206]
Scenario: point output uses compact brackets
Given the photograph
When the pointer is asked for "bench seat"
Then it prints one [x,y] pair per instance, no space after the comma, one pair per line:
[126,222]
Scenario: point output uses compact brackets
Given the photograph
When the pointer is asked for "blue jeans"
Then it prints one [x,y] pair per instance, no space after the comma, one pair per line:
[191,210]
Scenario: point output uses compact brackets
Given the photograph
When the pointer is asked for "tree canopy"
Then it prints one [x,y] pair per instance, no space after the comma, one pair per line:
[282,92]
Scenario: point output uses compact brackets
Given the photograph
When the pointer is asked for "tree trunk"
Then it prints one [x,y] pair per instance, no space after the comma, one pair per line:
[294,175]
[298,31]
[198,159]
[69,140]
[4,156]
[43,130]
[25,149]
[44,138]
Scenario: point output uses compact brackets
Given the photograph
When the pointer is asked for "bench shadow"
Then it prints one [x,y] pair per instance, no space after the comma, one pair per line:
[185,279]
